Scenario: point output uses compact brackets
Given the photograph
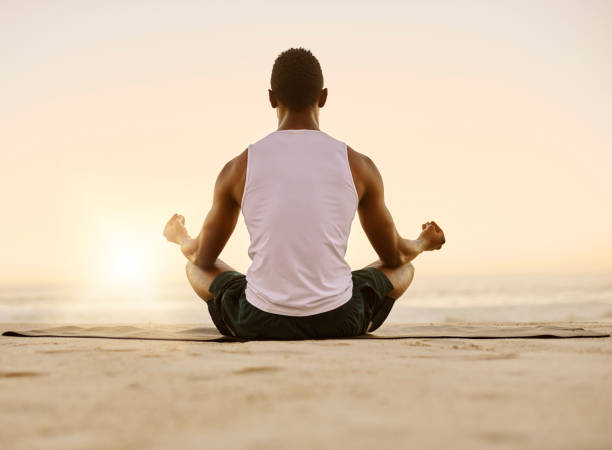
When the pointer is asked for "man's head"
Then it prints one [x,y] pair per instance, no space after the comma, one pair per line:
[297,81]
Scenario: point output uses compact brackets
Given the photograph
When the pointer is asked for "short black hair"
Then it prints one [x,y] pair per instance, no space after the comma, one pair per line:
[296,78]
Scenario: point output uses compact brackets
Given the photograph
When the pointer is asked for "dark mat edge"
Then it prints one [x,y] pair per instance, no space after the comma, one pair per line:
[126,338]
[234,339]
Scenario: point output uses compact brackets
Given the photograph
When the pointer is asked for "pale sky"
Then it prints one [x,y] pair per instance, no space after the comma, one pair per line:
[492,118]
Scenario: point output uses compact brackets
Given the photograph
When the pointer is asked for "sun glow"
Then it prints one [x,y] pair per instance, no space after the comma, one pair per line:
[125,275]
[126,264]
[126,260]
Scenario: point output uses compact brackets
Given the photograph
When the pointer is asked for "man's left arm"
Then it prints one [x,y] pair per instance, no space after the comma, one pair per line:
[220,221]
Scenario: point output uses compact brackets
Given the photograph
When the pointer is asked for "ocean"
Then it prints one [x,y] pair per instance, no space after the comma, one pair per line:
[505,298]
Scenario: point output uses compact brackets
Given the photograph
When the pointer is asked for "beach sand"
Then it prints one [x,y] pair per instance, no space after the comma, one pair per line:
[355,394]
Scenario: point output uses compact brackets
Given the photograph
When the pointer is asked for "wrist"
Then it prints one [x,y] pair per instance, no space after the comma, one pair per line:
[420,245]
[182,239]
[410,248]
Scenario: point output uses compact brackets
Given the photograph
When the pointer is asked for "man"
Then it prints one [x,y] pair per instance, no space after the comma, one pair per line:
[298,189]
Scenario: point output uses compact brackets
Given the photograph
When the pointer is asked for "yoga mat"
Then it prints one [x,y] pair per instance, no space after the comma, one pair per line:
[391,331]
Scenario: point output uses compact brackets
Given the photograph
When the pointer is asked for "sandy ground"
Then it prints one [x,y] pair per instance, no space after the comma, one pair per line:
[422,394]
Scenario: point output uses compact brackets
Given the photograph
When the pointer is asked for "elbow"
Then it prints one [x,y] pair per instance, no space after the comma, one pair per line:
[395,260]
[202,263]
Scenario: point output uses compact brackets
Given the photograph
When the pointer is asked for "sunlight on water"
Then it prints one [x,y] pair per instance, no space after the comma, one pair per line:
[500,298]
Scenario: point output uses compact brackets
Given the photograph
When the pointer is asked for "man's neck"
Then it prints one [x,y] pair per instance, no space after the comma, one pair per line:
[292,120]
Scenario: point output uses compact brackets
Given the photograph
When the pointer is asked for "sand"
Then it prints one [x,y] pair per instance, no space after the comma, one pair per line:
[417,393]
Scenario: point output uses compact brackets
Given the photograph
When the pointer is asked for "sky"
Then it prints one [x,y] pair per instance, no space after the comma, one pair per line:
[491,118]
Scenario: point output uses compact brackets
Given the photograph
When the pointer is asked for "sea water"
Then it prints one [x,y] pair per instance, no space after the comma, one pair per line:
[502,298]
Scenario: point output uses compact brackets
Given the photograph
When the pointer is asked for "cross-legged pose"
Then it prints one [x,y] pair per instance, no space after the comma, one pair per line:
[299,189]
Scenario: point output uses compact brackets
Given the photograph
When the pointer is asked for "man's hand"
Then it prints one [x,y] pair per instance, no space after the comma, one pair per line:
[432,236]
[175,230]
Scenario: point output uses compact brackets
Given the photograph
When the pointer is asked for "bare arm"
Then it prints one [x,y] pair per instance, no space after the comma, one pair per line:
[220,221]
[392,249]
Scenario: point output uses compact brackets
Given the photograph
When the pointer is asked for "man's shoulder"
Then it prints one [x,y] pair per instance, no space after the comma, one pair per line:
[360,162]
[365,174]
[236,165]
[232,177]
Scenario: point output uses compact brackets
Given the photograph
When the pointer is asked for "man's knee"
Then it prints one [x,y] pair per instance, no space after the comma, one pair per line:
[407,275]
[194,275]
[199,281]
[188,269]
[401,279]
[410,273]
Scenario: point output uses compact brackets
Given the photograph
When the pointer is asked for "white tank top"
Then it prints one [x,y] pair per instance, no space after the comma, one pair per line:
[298,204]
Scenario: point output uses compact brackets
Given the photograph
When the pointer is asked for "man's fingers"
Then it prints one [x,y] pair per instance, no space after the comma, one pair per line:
[438,229]
[177,216]
[435,226]
[427,225]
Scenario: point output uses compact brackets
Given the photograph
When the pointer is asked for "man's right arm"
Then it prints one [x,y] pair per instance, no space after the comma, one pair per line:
[376,220]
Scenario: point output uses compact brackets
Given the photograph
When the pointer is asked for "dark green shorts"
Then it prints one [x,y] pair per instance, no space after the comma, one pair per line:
[367,309]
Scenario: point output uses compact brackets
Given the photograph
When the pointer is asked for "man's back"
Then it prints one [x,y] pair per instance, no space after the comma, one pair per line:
[298,203]
[299,189]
